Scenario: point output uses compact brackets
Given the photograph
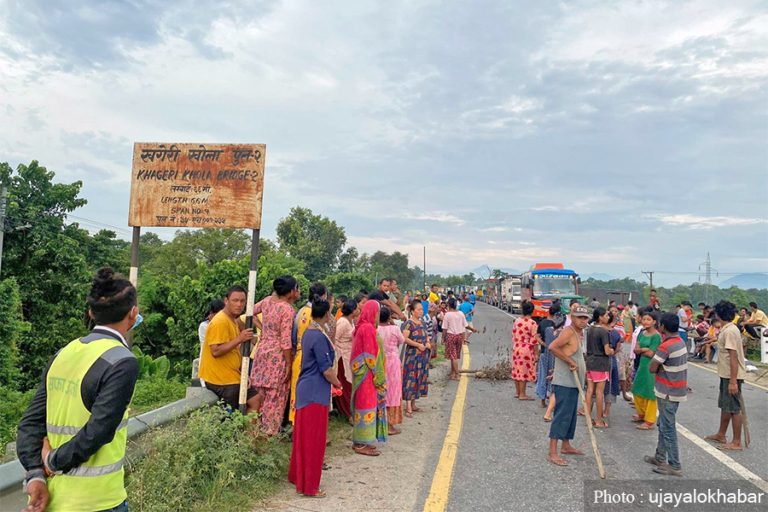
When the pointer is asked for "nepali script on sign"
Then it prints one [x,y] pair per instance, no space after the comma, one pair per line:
[197,185]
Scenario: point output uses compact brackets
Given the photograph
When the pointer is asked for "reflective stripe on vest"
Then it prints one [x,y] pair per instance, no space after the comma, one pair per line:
[97,483]
[67,430]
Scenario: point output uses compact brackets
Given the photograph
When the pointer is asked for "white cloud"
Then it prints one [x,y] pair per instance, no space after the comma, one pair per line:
[700,222]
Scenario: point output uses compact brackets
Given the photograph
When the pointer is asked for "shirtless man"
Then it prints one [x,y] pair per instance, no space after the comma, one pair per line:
[567,350]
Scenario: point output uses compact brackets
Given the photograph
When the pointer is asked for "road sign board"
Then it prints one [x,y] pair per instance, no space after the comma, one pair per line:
[197,185]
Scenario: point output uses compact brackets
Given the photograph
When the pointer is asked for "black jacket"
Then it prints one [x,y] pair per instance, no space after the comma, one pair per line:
[106,391]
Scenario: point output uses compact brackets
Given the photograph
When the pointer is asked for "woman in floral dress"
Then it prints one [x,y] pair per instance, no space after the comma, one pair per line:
[271,373]
[416,358]
[524,354]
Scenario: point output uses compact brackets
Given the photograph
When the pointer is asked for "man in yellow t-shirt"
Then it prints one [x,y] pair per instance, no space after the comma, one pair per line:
[433,296]
[756,319]
[220,361]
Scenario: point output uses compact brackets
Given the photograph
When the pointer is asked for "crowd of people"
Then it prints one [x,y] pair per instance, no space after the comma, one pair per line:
[367,357]
[638,353]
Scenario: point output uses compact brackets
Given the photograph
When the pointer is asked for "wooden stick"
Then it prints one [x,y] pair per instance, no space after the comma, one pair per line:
[745,421]
[600,468]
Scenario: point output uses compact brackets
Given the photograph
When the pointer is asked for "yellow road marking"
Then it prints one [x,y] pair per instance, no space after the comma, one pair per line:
[715,371]
[441,481]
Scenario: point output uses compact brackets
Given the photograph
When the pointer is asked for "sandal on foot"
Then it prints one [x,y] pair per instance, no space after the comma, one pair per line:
[557,462]
[645,426]
[319,494]
[367,450]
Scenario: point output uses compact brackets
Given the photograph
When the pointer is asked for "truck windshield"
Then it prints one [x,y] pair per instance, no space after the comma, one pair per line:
[516,288]
[551,284]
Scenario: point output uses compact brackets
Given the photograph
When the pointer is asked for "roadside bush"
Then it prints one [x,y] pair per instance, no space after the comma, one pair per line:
[210,461]
[154,392]
[14,403]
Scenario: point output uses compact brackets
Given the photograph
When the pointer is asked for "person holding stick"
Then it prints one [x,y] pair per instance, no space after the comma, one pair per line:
[567,350]
[732,371]
[220,354]
[670,364]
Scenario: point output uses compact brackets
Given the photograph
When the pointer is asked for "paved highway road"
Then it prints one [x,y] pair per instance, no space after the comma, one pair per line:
[500,463]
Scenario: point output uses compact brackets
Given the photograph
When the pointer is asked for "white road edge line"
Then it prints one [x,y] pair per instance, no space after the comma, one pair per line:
[722,457]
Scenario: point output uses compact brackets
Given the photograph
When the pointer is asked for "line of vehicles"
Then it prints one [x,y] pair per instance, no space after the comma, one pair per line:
[541,284]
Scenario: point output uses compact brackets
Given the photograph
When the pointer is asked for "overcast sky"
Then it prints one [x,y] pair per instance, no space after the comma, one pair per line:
[613,136]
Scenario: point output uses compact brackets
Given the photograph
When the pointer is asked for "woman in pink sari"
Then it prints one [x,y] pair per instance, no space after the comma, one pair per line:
[392,338]
[369,384]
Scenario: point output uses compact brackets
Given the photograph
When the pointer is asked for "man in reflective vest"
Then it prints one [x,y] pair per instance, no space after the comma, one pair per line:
[71,440]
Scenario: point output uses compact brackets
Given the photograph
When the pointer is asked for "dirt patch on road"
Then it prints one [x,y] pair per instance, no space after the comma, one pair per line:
[390,482]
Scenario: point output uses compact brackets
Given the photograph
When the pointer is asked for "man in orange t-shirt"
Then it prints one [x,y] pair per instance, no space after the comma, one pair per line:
[220,361]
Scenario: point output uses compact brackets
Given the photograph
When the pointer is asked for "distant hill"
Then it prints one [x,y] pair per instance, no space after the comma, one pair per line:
[746,281]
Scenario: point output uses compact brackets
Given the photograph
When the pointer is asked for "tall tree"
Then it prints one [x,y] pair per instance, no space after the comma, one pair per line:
[47,258]
[313,239]
[190,251]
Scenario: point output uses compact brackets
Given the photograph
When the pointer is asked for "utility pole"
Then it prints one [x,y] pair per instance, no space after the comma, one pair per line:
[3,195]
[649,273]
[425,268]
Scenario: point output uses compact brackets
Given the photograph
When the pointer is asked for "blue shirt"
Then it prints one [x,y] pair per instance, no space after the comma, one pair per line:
[472,298]
[466,307]
[425,305]
[316,357]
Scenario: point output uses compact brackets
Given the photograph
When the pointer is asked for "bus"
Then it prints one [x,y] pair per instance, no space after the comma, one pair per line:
[545,282]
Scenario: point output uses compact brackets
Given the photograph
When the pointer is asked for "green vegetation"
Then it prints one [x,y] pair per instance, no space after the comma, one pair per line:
[14,405]
[694,293]
[153,392]
[218,462]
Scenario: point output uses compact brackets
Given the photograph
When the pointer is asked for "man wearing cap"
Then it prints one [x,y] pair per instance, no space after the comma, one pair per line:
[569,359]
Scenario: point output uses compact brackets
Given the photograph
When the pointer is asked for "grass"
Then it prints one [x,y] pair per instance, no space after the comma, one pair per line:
[440,354]
[153,392]
[209,461]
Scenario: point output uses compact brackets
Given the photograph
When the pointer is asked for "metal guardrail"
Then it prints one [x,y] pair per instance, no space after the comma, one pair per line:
[12,473]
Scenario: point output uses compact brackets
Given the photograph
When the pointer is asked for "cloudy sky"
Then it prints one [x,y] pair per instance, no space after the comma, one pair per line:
[613,136]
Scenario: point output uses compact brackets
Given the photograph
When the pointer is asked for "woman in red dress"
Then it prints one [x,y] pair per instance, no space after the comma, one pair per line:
[524,354]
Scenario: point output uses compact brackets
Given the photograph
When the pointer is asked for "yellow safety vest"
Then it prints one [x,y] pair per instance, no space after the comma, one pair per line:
[97,484]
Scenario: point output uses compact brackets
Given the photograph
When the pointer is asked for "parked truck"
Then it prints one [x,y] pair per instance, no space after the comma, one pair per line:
[512,293]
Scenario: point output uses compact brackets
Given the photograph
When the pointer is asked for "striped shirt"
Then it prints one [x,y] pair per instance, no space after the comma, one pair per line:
[672,377]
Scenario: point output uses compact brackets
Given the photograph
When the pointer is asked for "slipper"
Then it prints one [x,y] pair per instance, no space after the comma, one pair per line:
[547,420]
[394,432]
[366,450]
[416,409]
[320,494]
[714,438]
[637,419]
[645,426]
[561,462]
[408,414]
[604,425]
[526,398]
[730,448]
